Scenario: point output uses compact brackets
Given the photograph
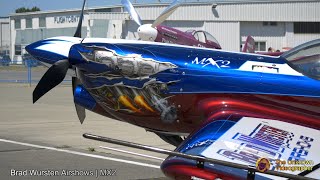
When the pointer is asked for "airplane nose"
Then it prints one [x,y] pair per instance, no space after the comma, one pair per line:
[28,49]
[31,48]
[35,49]
[147,33]
[53,49]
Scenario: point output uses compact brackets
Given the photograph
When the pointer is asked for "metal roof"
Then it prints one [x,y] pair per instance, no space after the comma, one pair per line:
[162,4]
[256,10]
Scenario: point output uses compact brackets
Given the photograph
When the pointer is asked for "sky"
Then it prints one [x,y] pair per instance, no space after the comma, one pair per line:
[9,6]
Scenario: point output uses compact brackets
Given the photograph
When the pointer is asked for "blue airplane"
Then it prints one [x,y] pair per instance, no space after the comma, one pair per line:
[238,110]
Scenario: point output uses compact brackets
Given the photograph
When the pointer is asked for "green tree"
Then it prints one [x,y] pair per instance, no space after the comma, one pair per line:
[24,10]
[35,8]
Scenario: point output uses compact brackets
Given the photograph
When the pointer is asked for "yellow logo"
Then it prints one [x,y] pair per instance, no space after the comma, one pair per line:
[263,164]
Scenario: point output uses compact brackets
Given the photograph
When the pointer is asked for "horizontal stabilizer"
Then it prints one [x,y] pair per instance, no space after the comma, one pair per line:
[246,142]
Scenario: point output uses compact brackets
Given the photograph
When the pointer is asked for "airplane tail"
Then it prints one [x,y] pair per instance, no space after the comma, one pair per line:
[249,46]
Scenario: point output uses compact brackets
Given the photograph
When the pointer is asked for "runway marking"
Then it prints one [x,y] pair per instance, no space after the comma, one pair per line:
[81,154]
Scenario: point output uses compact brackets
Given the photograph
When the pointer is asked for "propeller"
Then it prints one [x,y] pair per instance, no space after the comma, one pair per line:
[148,31]
[79,109]
[166,13]
[54,76]
[78,31]
[57,72]
[133,13]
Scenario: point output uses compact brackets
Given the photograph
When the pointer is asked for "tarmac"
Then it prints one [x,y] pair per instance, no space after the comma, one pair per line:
[44,140]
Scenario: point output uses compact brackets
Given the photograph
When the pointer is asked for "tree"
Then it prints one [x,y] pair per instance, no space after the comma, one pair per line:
[24,10]
[35,8]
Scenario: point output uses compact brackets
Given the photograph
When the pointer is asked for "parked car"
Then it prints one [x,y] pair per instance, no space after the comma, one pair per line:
[4,60]
[29,60]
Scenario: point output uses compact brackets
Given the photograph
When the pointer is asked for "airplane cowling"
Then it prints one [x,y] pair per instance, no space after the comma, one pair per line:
[83,98]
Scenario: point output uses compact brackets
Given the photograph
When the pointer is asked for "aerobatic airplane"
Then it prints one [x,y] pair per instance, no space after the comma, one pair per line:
[239,110]
[159,33]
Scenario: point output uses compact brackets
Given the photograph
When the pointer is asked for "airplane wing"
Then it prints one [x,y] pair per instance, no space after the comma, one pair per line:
[288,147]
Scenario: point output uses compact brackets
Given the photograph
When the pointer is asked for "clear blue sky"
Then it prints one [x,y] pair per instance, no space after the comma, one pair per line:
[9,6]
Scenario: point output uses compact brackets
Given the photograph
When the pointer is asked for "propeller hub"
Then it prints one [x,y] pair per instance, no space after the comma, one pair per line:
[147,33]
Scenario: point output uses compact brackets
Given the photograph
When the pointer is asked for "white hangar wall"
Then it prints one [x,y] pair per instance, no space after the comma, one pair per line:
[227,34]
[4,35]
[273,36]
[279,36]
[270,22]
[239,10]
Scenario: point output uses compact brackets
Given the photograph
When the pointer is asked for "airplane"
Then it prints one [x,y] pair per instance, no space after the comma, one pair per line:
[246,115]
[249,47]
[159,33]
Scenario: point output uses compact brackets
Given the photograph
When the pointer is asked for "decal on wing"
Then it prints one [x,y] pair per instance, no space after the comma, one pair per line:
[252,138]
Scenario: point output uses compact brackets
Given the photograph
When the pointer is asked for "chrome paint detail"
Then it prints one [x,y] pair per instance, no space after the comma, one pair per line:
[130,65]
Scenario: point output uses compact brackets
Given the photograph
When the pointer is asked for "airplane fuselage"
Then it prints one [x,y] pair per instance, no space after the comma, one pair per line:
[173,88]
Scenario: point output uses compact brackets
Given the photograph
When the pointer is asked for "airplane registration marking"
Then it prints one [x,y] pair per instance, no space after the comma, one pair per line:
[209,61]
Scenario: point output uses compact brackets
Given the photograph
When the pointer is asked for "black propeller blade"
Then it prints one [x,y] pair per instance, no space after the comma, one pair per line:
[54,76]
[78,31]
[57,72]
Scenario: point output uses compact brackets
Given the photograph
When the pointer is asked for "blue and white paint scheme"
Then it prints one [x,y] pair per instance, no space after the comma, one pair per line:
[147,81]
[222,71]
[52,49]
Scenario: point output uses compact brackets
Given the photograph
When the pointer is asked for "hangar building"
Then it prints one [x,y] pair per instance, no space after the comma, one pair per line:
[4,35]
[278,24]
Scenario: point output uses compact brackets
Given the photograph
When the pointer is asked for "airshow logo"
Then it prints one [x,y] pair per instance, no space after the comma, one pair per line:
[209,61]
[263,164]
[269,142]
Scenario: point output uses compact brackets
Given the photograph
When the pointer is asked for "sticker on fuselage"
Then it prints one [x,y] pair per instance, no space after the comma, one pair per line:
[209,61]
[265,69]
[287,146]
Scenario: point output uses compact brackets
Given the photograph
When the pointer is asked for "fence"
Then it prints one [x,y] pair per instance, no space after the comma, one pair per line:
[28,73]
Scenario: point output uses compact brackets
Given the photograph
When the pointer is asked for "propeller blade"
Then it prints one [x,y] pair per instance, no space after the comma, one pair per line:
[80,110]
[78,31]
[54,76]
[133,13]
[75,81]
[166,13]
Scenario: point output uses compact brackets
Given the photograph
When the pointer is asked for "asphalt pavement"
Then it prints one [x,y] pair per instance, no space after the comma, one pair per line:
[47,137]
